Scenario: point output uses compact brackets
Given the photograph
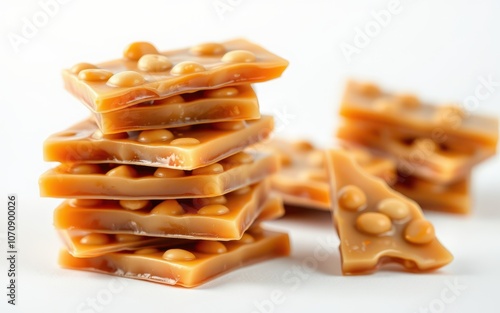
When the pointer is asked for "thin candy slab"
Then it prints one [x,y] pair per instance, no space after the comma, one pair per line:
[107,181]
[85,244]
[217,218]
[189,264]
[177,148]
[367,102]
[219,105]
[443,162]
[145,74]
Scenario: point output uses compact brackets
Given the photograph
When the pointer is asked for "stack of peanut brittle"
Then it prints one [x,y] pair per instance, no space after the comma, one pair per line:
[160,182]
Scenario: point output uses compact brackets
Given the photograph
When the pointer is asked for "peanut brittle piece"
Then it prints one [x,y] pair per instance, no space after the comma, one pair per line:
[145,74]
[209,106]
[216,218]
[377,225]
[367,102]
[108,181]
[85,244]
[439,161]
[177,148]
[188,264]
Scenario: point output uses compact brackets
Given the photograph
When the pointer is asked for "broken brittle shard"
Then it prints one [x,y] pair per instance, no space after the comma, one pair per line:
[377,225]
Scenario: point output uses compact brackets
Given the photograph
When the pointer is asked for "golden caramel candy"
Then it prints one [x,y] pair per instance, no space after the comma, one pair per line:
[84,169]
[215,168]
[224,222]
[201,202]
[178,255]
[134,204]
[419,231]
[127,79]
[303,179]
[94,75]
[95,239]
[239,56]
[168,207]
[199,146]
[188,141]
[214,210]
[247,238]
[377,233]
[208,49]
[121,171]
[146,251]
[227,92]
[155,135]
[210,247]
[351,198]
[77,68]
[393,208]
[273,208]
[201,67]
[187,67]
[127,238]
[154,63]
[183,263]
[143,182]
[162,172]
[136,50]
[373,223]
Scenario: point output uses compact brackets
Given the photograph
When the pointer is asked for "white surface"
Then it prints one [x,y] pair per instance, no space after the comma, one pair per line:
[437,50]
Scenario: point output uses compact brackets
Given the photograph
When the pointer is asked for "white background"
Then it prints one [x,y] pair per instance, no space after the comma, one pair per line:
[435,49]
